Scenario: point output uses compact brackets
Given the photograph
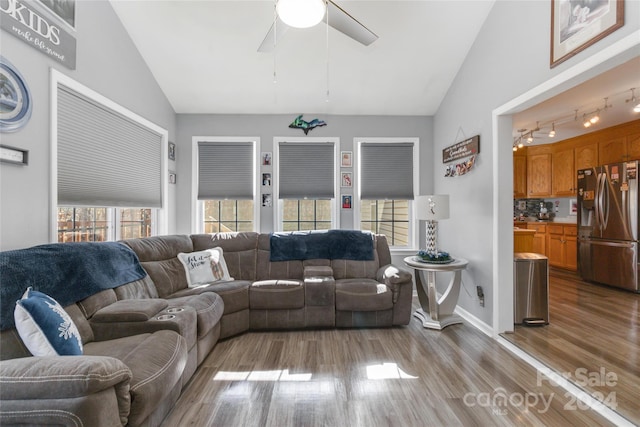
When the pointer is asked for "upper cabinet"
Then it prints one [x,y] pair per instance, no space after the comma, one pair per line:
[549,170]
[563,173]
[520,174]
[538,171]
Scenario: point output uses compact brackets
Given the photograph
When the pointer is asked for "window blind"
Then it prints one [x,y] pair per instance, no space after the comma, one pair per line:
[386,171]
[225,170]
[306,170]
[104,158]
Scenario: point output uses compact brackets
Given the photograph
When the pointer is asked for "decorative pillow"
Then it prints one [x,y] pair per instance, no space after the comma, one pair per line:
[45,328]
[204,266]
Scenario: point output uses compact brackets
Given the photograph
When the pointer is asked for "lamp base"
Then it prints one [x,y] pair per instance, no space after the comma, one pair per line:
[432,237]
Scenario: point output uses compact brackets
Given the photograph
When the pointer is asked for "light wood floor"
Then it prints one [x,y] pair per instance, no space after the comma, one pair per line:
[592,329]
[408,376]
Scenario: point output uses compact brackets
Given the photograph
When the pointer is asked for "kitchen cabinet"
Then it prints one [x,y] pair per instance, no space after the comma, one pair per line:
[562,246]
[633,146]
[612,150]
[519,175]
[539,245]
[586,156]
[539,175]
[563,174]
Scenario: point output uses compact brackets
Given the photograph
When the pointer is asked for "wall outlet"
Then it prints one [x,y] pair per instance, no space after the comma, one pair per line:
[480,295]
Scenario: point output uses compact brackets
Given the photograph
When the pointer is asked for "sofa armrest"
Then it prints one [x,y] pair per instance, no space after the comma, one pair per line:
[58,379]
[394,277]
[130,310]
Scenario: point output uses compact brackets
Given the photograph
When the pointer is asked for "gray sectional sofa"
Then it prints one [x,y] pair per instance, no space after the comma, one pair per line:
[143,340]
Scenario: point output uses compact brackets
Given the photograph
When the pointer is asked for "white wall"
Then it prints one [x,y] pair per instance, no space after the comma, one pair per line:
[266,127]
[108,63]
[509,58]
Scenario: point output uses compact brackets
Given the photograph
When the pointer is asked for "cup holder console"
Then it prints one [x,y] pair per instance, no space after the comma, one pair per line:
[166,317]
[175,310]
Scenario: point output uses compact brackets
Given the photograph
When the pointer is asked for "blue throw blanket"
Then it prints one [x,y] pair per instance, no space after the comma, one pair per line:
[67,272]
[331,244]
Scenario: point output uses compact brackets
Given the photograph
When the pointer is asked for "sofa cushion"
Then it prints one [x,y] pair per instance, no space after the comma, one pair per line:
[209,309]
[130,310]
[235,294]
[276,294]
[362,295]
[204,267]
[156,362]
[45,328]
[239,251]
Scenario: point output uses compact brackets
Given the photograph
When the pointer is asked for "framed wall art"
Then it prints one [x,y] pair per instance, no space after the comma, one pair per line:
[346,201]
[346,159]
[15,98]
[576,25]
[347,181]
[172,151]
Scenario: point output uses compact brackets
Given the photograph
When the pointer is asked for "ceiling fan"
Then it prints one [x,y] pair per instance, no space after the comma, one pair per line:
[338,19]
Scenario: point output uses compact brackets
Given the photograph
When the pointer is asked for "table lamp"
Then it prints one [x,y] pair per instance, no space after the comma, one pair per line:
[431,209]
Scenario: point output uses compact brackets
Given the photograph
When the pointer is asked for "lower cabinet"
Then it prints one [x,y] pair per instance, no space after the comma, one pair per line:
[562,246]
[540,238]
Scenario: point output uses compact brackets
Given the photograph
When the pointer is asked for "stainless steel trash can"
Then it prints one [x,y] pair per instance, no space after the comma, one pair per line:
[531,289]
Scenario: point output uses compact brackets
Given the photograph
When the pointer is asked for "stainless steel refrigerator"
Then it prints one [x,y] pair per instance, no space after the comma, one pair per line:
[608,224]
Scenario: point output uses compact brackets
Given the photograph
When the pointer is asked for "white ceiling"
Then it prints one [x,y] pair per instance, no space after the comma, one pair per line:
[204,56]
[587,97]
[203,53]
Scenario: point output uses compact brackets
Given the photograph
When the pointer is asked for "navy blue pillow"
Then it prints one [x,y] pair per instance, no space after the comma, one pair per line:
[45,328]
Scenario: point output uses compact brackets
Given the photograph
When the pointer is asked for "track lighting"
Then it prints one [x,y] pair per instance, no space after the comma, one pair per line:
[585,122]
[634,101]
[552,132]
[520,144]
[530,137]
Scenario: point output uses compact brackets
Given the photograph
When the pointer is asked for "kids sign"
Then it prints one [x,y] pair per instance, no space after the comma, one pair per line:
[466,148]
[34,27]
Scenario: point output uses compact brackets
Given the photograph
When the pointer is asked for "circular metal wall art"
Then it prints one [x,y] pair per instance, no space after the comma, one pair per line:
[15,98]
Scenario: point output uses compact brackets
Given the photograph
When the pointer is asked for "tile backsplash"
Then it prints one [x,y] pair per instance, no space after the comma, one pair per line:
[530,207]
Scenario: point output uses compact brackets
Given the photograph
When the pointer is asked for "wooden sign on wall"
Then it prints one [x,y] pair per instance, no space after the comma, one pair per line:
[466,148]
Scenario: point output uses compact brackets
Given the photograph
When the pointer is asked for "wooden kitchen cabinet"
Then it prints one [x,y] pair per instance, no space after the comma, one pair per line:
[539,175]
[519,176]
[586,156]
[613,150]
[633,146]
[563,176]
[540,238]
[562,246]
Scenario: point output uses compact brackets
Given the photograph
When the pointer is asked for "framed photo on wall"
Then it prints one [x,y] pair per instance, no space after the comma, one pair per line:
[172,151]
[347,181]
[346,159]
[576,25]
[346,201]
[266,158]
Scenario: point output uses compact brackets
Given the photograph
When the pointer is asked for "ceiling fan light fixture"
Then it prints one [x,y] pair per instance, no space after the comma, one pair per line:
[301,13]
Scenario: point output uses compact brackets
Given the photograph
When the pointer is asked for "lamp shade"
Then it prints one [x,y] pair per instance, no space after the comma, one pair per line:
[301,13]
[434,207]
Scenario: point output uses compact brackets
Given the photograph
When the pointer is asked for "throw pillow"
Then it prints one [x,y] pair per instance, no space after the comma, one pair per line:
[45,328]
[204,266]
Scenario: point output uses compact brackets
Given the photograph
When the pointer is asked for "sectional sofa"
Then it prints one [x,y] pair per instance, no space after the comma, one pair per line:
[143,339]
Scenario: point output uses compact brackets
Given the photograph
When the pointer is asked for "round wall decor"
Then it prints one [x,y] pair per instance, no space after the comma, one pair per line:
[15,98]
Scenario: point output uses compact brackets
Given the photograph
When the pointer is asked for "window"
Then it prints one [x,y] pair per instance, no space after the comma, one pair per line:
[228,215]
[80,224]
[306,184]
[386,187]
[225,181]
[388,217]
[104,155]
[306,215]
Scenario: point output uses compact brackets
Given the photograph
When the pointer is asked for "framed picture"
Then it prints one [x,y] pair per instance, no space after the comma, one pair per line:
[266,200]
[64,9]
[345,159]
[577,25]
[573,207]
[172,151]
[347,181]
[172,177]
[266,180]
[16,106]
[346,201]
[266,159]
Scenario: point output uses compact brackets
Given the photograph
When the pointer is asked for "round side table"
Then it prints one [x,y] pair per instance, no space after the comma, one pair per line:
[437,314]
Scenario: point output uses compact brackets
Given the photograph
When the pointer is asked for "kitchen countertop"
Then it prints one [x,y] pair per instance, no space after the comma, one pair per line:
[562,220]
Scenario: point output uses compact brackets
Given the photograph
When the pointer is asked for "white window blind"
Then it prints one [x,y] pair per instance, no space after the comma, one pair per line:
[386,171]
[105,158]
[225,170]
[306,170]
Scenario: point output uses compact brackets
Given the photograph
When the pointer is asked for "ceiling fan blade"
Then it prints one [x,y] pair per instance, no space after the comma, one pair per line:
[348,25]
[277,30]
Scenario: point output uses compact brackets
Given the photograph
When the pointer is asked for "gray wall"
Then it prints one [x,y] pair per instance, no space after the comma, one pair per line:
[108,63]
[510,57]
[266,127]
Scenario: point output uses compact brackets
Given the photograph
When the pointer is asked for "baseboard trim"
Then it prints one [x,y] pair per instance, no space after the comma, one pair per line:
[479,324]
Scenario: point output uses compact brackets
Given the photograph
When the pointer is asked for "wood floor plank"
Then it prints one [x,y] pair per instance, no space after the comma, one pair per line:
[405,376]
[593,331]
